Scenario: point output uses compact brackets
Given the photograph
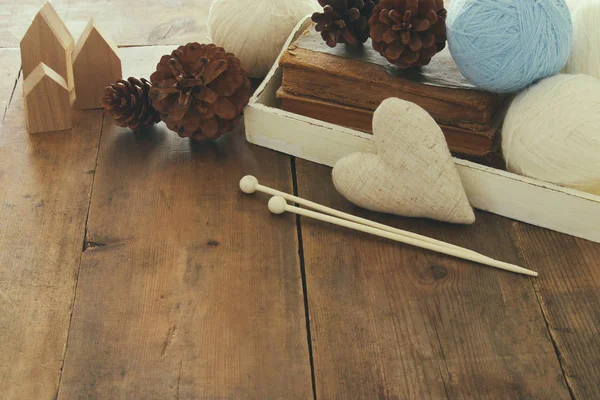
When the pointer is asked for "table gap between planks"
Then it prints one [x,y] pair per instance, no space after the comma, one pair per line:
[131,267]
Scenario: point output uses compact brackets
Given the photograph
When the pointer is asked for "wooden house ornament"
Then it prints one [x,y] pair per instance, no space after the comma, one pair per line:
[47,101]
[48,41]
[96,64]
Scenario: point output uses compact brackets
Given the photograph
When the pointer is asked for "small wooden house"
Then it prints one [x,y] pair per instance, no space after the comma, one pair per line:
[48,41]
[47,101]
[96,64]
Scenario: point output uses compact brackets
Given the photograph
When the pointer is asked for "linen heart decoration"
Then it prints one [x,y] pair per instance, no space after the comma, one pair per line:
[412,174]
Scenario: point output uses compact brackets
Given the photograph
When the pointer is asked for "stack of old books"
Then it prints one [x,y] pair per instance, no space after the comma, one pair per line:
[345,85]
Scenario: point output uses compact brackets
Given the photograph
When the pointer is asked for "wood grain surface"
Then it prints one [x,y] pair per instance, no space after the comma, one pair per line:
[188,289]
[137,22]
[400,323]
[10,62]
[569,294]
[132,267]
[45,184]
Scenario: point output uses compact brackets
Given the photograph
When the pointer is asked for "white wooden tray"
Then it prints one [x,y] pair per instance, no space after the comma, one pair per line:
[539,203]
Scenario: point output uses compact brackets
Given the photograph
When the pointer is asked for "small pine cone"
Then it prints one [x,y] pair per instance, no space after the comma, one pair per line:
[200,91]
[409,32]
[128,101]
[344,21]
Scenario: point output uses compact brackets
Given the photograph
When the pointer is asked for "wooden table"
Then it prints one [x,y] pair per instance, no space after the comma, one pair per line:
[132,267]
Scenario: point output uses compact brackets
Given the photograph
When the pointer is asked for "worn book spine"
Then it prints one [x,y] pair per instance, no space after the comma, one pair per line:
[460,141]
[359,84]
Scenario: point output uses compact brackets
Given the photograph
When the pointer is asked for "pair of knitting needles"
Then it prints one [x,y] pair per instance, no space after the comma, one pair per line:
[278,205]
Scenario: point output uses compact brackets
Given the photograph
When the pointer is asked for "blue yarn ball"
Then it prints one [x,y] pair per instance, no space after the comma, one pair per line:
[504,46]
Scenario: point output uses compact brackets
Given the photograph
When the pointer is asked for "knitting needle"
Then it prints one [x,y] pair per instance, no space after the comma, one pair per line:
[278,205]
[249,185]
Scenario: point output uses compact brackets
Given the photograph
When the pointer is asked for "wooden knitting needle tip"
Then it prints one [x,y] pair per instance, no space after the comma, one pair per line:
[248,184]
[278,205]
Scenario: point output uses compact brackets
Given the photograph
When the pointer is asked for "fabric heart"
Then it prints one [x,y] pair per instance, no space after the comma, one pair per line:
[412,174]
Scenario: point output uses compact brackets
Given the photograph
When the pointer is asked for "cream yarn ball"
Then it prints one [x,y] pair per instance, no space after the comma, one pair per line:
[585,54]
[573,4]
[552,132]
[256,30]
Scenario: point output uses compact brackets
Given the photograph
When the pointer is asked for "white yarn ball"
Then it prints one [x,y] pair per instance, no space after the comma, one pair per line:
[585,55]
[573,4]
[552,132]
[256,30]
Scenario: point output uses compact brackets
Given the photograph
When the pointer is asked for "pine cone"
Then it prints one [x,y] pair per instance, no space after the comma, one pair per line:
[409,32]
[128,101]
[344,21]
[200,91]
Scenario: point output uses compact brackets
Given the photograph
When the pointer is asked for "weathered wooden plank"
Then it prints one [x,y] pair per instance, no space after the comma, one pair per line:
[188,289]
[396,322]
[569,294]
[137,22]
[45,184]
[9,71]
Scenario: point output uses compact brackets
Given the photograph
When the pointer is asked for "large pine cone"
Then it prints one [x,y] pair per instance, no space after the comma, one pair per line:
[200,91]
[409,32]
[344,21]
[128,101]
